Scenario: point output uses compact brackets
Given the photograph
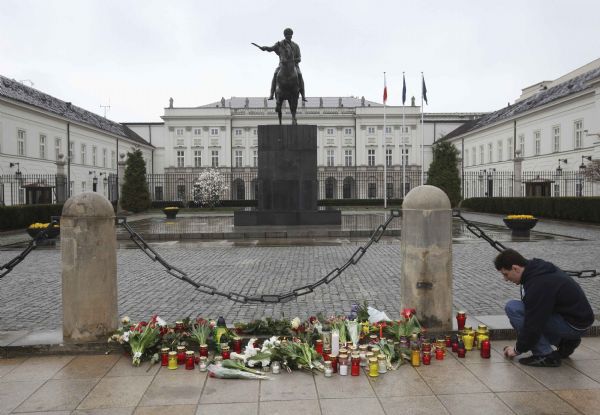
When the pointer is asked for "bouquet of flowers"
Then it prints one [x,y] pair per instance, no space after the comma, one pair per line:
[403,328]
[200,330]
[294,354]
[140,338]
[339,323]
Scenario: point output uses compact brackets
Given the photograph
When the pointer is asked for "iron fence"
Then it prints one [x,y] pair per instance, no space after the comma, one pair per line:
[333,184]
[532,183]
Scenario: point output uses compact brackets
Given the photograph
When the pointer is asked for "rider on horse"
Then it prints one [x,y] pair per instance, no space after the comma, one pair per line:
[286,43]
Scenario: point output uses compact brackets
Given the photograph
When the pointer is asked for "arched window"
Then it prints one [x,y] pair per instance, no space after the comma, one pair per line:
[349,188]
[330,188]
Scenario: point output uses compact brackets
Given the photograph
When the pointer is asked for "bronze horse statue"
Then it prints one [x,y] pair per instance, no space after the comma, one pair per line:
[288,85]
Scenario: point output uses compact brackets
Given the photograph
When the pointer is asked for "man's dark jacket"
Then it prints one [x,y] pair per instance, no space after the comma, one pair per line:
[549,290]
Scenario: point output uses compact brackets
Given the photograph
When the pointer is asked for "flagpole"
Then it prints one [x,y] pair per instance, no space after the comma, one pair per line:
[384,145]
[403,138]
[422,133]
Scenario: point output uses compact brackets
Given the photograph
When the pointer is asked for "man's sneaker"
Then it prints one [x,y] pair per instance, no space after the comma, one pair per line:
[566,347]
[549,360]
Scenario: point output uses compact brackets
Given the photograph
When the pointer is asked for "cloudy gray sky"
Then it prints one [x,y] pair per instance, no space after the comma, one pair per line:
[476,55]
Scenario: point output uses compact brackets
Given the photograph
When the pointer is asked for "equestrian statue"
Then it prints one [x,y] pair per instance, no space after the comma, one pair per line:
[287,81]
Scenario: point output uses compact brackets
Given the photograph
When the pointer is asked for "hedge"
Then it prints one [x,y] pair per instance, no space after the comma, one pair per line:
[21,216]
[583,209]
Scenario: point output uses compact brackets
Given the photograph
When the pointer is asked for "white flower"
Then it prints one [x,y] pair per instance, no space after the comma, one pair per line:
[296,323]
[160,322]
[125,320]
[137,355]
[125,336]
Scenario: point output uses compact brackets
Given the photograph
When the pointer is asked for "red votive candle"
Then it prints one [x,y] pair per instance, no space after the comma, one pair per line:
[355,362]
[237,345]
[189,360]
[448,341]
[204,350]
[461,319]
[485,349]
[319,346]
[164,356]
[334,363]
[180,355]
[225,353]
[439,354]
[426,359]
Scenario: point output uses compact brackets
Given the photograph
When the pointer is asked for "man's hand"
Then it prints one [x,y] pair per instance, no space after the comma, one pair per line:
[509,351]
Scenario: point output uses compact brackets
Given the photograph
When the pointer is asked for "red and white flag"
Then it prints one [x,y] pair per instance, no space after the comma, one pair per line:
[384,90]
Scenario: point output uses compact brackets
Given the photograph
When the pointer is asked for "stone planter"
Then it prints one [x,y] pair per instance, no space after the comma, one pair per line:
[520,227]
[170,213]
[52,233]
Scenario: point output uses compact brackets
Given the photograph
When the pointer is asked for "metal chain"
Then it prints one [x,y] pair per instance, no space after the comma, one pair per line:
[476,230]
[10,265]
[263,298]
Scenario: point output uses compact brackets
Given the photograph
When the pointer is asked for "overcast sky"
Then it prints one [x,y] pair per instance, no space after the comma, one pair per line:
[476,55]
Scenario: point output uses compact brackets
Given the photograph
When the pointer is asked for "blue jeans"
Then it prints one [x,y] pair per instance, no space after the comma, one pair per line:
[556,328]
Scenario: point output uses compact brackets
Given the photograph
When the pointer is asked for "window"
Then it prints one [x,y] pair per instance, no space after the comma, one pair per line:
[83,186]
[556,190]
[405,156]
[481,154]
[113,159]
[72,151]
[254,131]
[180,158]
[197,158]
[347,131]
[371,157]
[388,157]
[578,133]
[83,148]
[537,140]
[255,158]
[238,132]
[239,159]
[94,156]
[179,132]
[21,135]
[556,138]
[509,148]
[474,155]
[466,157]
[214,131]
[42,146]
[499,151]
[388,129]
[197,131]
[104,157]
[522,144]
[197,142]
[57,148]
[490,152]
[329,131]
[330,157]
[370,130]
[348,158]
[215,158]
[180,142]
[404,129]
[372,190]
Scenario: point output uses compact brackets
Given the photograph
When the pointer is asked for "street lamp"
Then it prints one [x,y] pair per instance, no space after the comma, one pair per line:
[583,166]
[559,169]
[94,180]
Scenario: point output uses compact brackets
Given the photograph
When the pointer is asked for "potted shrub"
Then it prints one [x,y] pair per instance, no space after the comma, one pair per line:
[171,211]
[520,225]
[35,228]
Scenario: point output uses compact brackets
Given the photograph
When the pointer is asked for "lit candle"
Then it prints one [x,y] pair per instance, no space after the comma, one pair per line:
[172,361]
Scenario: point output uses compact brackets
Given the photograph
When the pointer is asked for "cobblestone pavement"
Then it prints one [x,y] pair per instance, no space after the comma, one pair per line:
[30,295]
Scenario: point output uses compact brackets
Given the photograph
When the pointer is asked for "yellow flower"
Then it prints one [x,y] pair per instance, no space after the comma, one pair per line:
[521,217]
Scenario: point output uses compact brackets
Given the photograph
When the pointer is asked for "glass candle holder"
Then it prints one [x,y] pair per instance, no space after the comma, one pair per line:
[334,363]
[180,355]
[319,346]
[328,369]
[355,365]
[486,349]
[204,350]
[179,326]
[343,364]
[455,346]
[461,319]
[218,361]
[326,353]
[462,352]
[203,365]
[381,364]
[375,350]
[427,359]
[189,360]
[373,367]
[448,341]
[237,345]
[172,361]
[164,356]
[468,341]
[439,354]
[225,352]
[415,357]
[275,368]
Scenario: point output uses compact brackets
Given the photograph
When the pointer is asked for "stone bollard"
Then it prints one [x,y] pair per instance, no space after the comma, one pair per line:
[89,275]
[426,276]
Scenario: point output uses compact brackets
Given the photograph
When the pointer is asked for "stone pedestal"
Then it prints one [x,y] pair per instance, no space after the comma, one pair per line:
[287,179]
[89,273]
[426,249]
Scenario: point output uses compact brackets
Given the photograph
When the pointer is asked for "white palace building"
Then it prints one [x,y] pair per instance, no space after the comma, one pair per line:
[553,123]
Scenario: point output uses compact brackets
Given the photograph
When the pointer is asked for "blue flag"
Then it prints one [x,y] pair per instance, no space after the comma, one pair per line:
[403,90]
[424,92]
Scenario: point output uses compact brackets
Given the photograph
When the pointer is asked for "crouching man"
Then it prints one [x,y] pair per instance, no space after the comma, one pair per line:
[553,310]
